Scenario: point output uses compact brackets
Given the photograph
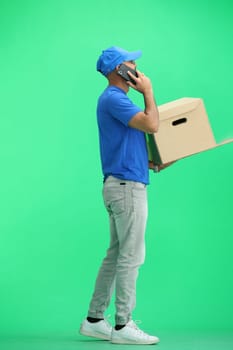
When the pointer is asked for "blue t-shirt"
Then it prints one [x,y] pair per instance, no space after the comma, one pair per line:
[123,149]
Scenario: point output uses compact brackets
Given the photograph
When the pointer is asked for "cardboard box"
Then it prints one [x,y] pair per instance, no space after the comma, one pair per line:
[184,130]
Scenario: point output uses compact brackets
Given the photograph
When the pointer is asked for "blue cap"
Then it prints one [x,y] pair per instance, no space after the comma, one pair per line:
[113,56]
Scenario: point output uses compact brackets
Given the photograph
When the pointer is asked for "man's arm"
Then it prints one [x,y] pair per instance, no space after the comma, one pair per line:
[147,121]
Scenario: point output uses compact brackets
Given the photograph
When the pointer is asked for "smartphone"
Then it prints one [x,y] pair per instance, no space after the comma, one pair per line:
[122,71]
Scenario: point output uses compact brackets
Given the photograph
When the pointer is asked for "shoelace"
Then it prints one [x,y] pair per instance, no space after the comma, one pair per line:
[134,325]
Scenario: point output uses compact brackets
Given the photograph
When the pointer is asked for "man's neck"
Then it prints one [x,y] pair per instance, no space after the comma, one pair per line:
[119,83]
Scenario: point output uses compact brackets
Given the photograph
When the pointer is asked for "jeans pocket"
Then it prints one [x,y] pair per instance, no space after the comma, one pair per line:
[114,199]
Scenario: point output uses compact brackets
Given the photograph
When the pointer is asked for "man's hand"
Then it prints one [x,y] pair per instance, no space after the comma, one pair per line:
[142,82]
[158,168]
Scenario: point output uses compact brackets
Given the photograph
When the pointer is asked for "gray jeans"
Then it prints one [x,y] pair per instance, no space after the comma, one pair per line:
[126,203]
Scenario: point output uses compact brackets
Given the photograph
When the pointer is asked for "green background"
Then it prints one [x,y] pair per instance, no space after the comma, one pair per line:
[53,227]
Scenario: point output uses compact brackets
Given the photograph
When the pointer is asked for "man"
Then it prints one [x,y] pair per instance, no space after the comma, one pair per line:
[122,127]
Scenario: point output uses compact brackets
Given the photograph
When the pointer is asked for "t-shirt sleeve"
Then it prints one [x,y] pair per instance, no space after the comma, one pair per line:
[122,108]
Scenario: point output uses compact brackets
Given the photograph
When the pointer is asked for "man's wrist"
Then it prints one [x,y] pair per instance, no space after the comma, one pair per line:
[148,92]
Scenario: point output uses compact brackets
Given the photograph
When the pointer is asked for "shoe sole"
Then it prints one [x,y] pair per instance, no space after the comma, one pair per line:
[122,341]
[94,335]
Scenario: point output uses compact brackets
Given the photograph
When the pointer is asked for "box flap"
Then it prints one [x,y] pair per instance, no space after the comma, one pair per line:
[224,142]
[210,148]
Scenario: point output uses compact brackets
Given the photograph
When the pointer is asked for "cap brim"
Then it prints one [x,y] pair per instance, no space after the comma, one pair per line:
[131,56]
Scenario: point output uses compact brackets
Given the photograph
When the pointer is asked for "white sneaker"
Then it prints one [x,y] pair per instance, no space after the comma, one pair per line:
[100,330]
[131,334]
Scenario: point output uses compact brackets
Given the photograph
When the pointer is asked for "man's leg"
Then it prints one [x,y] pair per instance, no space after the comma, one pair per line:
[130,226]
[105,281]
[95,325]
